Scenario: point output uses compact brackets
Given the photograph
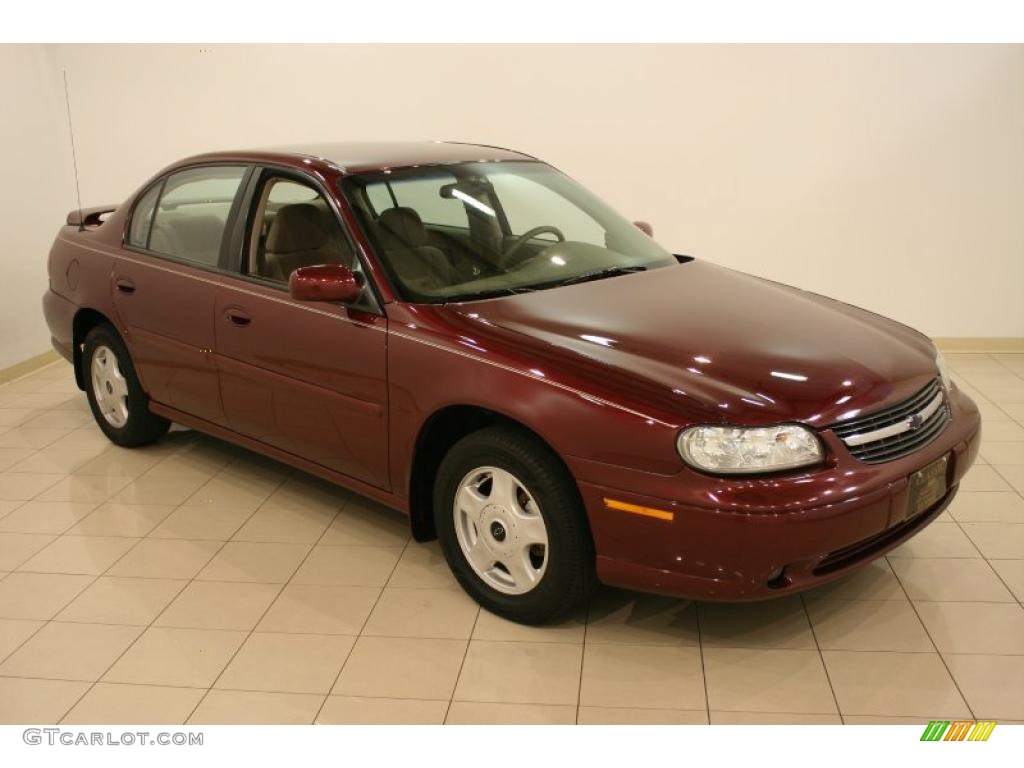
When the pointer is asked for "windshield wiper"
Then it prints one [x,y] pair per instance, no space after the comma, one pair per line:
[600,274]
[584,278]
[488,294]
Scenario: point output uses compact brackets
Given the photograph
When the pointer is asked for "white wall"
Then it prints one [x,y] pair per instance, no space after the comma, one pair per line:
[36,192]
[890,177]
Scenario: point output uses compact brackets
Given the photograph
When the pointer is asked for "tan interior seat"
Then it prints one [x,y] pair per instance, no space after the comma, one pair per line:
[299,237]
[196,238]
[406,242]
[336,237]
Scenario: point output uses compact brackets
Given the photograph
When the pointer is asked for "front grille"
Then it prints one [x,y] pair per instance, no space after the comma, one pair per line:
[899,430]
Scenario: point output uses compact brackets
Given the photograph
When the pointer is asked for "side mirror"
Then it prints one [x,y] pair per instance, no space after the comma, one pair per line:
[324,282]
[644,227]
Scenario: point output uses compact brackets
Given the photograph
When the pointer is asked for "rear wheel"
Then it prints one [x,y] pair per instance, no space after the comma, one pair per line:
[512,526]
[118,403]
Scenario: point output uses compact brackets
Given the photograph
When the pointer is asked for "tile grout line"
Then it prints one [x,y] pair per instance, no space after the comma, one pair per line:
[44,622]
[984,557]
[583,651]
[462,664]
[146,628]
[369,613]
[1015,490]
[288,474]
[176,595]
[821,656]
[79,593]
[470,701]
[974,544]
[703,666]
[931,639]
[1006,367]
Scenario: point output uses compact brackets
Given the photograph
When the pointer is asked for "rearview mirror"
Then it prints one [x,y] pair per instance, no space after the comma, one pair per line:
[644,227]
[473,187]
[324,282]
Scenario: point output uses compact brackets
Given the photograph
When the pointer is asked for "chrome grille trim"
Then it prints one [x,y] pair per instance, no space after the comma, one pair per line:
[894,432]
[860,438]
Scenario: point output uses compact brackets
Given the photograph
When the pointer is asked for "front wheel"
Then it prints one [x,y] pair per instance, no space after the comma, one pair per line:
[118,402]
[512,526]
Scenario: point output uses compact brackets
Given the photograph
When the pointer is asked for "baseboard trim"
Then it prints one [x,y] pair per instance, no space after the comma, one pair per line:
[980,343]
[26,367]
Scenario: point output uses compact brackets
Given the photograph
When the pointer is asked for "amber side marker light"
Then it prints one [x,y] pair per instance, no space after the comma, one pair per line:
[636,509]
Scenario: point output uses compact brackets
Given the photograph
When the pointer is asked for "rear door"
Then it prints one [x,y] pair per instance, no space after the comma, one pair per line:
[308,378]
[165,284]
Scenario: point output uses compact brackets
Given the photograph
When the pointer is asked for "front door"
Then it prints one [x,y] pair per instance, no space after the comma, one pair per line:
[308,378]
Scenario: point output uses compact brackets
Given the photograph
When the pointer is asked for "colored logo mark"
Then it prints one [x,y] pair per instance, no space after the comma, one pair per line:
[958,730]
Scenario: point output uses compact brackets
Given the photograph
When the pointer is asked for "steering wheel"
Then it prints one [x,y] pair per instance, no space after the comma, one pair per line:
[523,239]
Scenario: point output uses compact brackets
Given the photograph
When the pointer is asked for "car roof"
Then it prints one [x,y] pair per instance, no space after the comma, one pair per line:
[360,157]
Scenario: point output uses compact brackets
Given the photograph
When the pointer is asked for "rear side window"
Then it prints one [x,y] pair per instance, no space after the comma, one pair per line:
[192,214]
[142,217]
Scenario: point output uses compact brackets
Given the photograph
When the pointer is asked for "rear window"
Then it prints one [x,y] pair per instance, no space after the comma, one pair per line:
[142,217]
[190,219]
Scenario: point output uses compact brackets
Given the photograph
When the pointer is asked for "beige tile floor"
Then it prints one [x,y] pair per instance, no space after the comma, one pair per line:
[191,581]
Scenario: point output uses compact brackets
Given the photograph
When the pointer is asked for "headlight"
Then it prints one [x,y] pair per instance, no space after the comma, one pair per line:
[743,450]
[940,363]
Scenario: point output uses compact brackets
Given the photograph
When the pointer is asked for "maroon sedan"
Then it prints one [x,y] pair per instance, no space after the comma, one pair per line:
[465,334]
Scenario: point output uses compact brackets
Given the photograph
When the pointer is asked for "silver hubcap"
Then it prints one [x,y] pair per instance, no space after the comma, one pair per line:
[109,387]
[501,530]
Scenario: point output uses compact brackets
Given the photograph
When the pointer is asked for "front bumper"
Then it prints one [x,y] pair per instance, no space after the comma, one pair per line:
[728,537]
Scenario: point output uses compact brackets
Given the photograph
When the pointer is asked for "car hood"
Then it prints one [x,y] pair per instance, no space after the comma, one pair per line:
[730,346]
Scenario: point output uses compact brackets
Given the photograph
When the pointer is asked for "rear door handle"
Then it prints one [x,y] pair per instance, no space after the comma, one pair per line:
[237,317]
[124,285]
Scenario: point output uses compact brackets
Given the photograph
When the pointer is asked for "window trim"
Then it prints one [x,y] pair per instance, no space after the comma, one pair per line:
[241,236]
[229,223]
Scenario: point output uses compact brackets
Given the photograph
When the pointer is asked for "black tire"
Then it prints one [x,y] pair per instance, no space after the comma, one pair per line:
[569,574]
[141,426]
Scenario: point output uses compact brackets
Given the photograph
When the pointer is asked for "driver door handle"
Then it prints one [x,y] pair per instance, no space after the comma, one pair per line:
[237,317]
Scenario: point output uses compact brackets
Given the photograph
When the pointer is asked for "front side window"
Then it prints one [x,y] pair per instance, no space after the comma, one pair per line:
[294,227]
[192,214]
[480,229]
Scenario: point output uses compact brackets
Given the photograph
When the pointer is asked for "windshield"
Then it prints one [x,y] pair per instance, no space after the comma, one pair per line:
[475,230]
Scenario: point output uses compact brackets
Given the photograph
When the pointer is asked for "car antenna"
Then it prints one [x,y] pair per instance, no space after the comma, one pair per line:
[74,157]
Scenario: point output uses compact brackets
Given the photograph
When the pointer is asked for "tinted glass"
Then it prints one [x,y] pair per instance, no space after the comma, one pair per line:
[528,203]
[193,211]
[295,228]
[142,217]
[423,195]
[480,229]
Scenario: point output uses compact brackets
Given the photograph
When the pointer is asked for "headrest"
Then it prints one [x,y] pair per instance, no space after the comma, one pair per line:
[401,228]
[297,227]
